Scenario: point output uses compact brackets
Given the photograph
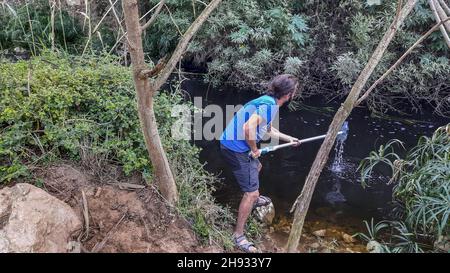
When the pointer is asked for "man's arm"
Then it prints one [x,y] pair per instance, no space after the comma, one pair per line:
[275,133]
[250,133]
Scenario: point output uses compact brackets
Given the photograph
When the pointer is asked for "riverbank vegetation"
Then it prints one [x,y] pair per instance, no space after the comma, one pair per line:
[83,109]
[421,194]
[247,42]
[67,93]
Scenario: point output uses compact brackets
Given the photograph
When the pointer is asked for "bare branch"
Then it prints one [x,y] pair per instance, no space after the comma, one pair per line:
[438,19]
[153,18]
[203,3]
[148,73]
[123,35]
[115,15]
[445,7]
[104,16]
[182,44]
[399,9]
[173,20]
[420,40]
[442,14]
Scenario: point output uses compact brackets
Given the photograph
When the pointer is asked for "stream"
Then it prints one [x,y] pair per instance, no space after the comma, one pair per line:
[339,200]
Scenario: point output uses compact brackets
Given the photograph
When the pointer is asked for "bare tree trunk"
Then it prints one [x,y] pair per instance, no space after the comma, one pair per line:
[183,43]
[52,22]
[440,16]
[147,89]
[445,7]
[301,205]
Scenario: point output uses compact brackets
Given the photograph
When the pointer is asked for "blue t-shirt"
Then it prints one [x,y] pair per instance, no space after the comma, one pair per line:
[233,136]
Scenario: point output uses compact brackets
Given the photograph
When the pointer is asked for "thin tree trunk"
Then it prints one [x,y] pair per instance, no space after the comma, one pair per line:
[52,22]
[301,205]
[183,43]
[155,15]
[440,15]
[147,89]
[397,63]
[445,7]
[163,174]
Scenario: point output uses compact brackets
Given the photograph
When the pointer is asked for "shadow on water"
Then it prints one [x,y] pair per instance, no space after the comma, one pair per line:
[339,197]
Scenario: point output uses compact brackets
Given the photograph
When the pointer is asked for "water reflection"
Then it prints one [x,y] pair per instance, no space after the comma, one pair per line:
[285,170]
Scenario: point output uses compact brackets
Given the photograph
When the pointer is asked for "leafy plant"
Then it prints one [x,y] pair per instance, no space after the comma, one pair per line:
[57,106]
[422,189]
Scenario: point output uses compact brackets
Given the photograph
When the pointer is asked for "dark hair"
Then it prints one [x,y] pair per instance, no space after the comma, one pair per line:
[282,85]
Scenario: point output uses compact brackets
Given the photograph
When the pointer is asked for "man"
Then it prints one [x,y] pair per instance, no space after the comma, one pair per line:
[239,149]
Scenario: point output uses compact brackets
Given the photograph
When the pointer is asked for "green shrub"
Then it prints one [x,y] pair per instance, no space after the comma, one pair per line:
[61,106]
[422,78]
[243,42]
[422,188]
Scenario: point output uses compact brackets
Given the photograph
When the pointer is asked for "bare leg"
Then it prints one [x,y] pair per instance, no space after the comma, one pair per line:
[245,208]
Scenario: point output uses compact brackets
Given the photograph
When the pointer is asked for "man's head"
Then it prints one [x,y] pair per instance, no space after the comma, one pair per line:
[283,88]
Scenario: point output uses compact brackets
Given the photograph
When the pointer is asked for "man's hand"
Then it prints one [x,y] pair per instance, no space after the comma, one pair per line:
[294,139]
[256,153]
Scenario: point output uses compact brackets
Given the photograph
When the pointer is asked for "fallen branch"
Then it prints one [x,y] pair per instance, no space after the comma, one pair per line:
[129,186]
[100,245]
[85,214]
[147,231]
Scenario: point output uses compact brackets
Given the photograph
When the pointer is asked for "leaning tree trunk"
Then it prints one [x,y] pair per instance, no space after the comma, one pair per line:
[301,205]
[146,89]
[145,93]
[440,15]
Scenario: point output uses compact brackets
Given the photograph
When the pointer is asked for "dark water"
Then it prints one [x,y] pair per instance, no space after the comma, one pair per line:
[284,171]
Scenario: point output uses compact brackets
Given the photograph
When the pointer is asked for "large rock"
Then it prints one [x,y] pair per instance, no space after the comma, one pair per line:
[348,238]
[266,213]
[374,247]
[320,232]
[31,220]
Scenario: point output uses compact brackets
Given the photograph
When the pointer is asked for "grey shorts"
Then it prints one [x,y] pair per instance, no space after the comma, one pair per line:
[244,168]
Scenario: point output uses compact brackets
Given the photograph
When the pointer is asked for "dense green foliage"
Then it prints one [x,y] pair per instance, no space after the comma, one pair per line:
[422,189]
[29,26]
[84,109]
[325,43]
[245,43]
[421,80]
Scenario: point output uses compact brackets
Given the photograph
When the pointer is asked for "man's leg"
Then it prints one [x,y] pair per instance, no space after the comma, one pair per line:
[245,208]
